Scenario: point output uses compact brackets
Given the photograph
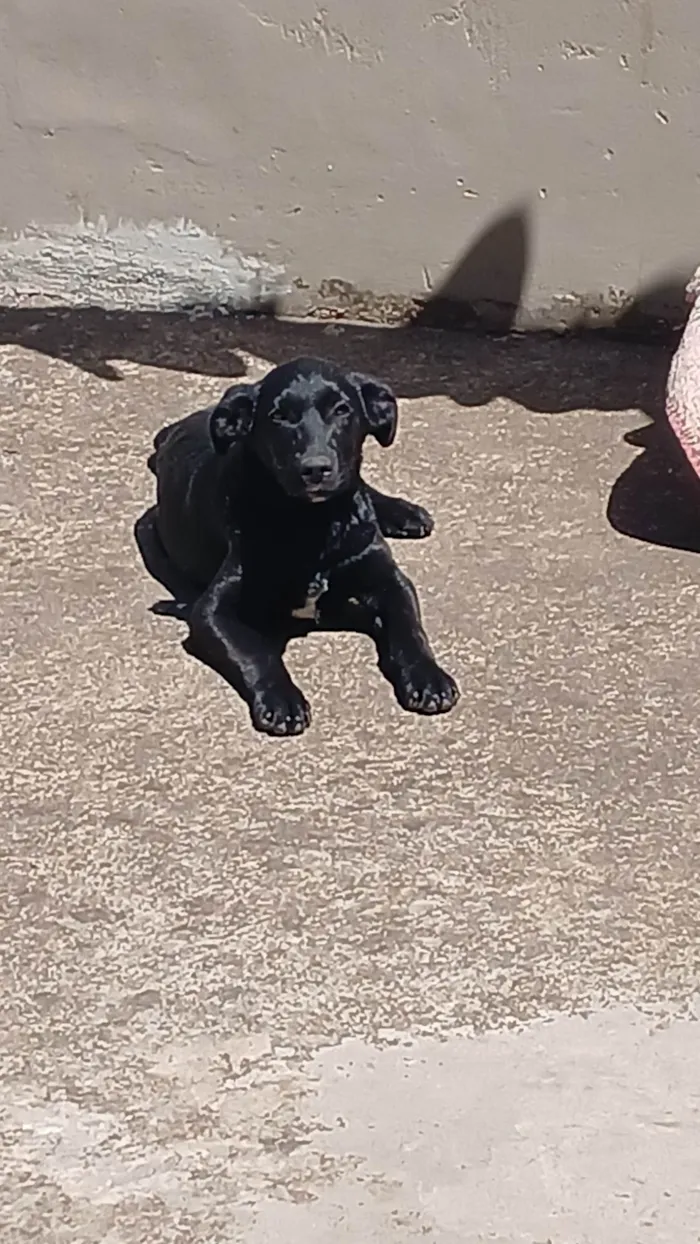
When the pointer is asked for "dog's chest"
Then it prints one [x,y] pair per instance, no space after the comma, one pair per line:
[287,565]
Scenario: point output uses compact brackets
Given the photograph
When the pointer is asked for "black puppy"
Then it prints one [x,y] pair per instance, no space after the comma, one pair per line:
[265,525]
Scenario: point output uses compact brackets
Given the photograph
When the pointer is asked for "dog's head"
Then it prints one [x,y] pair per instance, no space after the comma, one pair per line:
[306,422]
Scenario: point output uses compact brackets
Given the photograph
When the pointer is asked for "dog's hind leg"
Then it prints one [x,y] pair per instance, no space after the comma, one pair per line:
[161,436]
[159,439]
[160,567]
[399,519]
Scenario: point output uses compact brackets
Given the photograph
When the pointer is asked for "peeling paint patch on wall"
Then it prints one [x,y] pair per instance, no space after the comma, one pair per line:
[318,32]
[156,267]
[481,29]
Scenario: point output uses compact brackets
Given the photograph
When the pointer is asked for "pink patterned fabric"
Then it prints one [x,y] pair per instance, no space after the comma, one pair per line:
[683,387]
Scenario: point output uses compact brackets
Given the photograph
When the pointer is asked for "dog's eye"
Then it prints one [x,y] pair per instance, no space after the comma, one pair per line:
[286,414]
[342,410]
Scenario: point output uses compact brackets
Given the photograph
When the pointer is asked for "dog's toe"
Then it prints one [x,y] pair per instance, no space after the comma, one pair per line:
[428,690]
[280,712]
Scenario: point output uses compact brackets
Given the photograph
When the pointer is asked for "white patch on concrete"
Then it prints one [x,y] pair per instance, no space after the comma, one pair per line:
[88,1155]
[581,1130]
[154,267]
[577,1130]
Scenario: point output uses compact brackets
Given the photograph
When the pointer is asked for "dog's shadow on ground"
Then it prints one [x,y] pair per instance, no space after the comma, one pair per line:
[657,497]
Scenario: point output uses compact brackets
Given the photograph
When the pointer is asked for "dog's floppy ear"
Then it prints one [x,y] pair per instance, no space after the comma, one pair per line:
[381,411]
[232,419]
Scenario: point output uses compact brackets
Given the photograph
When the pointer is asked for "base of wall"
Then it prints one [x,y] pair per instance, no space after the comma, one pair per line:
[180,267]
[654,314]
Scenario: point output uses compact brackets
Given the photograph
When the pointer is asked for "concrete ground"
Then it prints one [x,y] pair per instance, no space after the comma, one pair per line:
[400,979]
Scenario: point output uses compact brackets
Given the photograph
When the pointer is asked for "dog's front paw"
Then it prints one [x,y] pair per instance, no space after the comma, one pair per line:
[425,688]
[419,524]
[280,711]
[409,522]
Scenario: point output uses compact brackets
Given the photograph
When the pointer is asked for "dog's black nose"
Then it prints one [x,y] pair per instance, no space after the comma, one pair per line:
[316,470]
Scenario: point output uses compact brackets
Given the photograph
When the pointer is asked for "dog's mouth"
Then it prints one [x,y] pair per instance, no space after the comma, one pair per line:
[313,492]
[319,492]
[323,490]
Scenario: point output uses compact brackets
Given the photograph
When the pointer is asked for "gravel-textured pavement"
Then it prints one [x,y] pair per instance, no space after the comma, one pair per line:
[401,979]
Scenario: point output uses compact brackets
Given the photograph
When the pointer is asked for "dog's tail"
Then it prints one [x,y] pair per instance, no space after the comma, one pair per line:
[158,440]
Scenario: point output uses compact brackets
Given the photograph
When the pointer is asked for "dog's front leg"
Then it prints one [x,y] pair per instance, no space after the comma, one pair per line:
[399,519]
[405,655]
[250,662]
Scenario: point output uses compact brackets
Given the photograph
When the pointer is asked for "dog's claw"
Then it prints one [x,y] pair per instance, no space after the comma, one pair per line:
[428,690]
[281,712]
